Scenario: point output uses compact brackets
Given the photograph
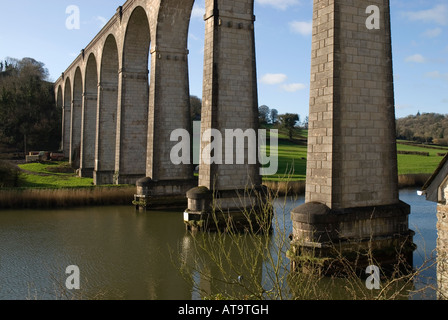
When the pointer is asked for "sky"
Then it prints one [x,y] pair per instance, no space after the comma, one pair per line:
[37,29]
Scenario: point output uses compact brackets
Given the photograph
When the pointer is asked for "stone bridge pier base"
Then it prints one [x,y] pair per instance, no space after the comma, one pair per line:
[343,240]
[352,199]
[162,194]
[229,210]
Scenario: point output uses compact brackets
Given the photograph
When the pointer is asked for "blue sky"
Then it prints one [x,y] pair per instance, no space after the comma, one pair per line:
[37,29]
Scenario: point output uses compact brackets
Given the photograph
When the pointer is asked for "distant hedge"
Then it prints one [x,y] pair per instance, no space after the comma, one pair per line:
[418,153]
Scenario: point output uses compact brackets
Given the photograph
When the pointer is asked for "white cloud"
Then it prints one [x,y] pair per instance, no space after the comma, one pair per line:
[273,78]
[102,21]
[279,4]
[193,36]
[302,27]
[438,15]
[280,79]
[198,12]
[293,87]
[437,75]
[417,58]
[432,33]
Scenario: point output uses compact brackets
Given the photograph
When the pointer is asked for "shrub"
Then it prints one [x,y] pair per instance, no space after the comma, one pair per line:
[8,175]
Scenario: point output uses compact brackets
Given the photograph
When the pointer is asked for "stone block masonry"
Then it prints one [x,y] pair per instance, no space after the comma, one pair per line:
[442,241]
[442,249]
[128,91]
[122,109]
[229,103]
[230,87]
[352,158]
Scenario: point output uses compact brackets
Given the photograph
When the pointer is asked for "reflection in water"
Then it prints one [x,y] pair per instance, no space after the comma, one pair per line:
[123,254]
[423,220]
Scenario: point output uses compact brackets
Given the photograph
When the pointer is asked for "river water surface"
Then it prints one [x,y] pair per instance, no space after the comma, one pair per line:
[124,254]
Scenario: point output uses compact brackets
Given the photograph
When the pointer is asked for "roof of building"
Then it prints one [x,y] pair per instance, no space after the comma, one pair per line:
[436,173]
[431,187]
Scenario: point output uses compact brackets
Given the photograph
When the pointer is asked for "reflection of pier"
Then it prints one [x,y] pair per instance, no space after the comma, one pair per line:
[223,265]
[436,190]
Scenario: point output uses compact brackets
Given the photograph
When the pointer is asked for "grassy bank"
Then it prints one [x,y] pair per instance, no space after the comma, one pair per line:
[50,175]
[418,164]
[70,197]
[55,184]
[413,169]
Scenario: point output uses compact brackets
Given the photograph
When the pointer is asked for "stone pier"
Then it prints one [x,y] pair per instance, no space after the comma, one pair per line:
[352,181]
[229,192]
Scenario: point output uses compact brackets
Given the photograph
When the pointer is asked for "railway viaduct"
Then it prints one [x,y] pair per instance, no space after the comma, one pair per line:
[119,117]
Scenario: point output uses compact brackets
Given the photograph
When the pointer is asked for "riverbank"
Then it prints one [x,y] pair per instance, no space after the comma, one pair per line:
[63,198]
[56,184]
[124,195]
[296,188]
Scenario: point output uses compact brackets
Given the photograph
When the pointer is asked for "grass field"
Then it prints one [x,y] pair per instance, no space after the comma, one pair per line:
[50,175]
[414,164]
[292,159]
[291,167]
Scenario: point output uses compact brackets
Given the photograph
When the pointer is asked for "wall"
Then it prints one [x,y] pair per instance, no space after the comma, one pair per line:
[442,245]
[352,159]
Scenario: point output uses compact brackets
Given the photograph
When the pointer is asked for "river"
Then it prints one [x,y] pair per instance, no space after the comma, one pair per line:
[124,254]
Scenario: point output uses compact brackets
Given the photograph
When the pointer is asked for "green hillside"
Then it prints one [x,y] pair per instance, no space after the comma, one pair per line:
[291,164]
[292,158]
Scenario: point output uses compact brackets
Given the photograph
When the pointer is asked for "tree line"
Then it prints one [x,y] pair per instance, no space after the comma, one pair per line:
[288,121]
[266,117]
[424,128]
[29,118]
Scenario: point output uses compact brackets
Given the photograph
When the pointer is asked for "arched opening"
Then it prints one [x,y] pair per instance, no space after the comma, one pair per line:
[89,110]
[169,105]
[60,105]
[107,114]
[66,125]
[76,117]
[133,115]
[59,101]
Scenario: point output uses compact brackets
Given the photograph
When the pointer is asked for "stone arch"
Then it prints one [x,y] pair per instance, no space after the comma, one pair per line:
[107,113]
[67,96]
[60,105]
[67,92]
[169,105]
[173,22]
[76,118]
[59,97]
[131,144]
[89,111]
